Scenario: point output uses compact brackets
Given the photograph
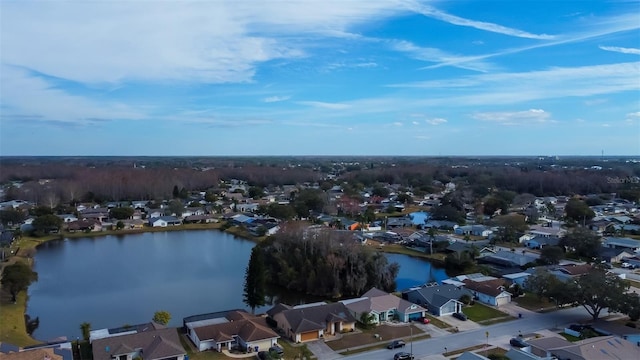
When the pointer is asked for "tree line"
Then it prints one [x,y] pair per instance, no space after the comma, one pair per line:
[323,263]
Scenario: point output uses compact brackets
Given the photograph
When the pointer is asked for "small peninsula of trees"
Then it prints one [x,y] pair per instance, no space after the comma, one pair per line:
[323,263]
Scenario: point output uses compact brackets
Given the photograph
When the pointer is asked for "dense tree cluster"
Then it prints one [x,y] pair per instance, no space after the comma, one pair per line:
[595,291]
[17,277]
[325,263]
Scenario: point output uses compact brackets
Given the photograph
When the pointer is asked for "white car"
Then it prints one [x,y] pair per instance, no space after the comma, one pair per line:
[626,265]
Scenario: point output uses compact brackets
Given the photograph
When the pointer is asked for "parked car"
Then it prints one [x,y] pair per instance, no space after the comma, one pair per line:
[460,316]
[626,265]
[396,344]
[424,320]
[402,356]
[276,349]
[518,342]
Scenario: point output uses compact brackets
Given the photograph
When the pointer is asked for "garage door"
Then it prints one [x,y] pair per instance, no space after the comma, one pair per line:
[503,300]
[309,336]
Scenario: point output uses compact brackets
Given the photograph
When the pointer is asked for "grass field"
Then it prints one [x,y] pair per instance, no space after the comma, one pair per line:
[12,325]
[531,302]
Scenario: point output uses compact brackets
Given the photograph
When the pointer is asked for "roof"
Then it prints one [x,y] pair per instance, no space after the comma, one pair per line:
[509,258]
[441,294]
[156,344]
[622,241]
[517,275]
[316,317]
[599,348]
[467,355]
[490,287]
[240,323]
[613,328]
[574,270]
[380,301]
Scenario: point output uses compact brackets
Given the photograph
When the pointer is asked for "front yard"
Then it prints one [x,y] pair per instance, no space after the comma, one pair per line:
[531,302]
[385,333]
[482,313]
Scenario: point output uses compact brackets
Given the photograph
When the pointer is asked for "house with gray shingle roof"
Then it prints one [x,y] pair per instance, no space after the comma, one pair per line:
[312,322]
[225,330]
[384,307]
[151,345]
[439,300]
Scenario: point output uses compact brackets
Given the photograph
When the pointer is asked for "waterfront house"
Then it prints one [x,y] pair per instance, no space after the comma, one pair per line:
[312,321]
[230,329]
[164,221]
[384,307]
[161,344]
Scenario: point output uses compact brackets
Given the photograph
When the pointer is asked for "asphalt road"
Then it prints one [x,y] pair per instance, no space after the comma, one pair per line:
[528,324]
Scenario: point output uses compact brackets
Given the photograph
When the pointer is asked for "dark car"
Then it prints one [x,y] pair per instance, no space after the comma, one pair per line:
[460,316]
[275,349]
[396,344]
[518,342]
[402,356]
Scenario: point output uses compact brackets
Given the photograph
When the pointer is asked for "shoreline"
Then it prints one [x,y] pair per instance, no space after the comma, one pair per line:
[13,328]
[13,318]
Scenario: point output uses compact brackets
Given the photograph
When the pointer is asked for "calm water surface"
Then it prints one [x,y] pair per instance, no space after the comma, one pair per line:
[115,280]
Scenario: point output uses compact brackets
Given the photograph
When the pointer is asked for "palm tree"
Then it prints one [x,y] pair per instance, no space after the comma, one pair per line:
[85,327]
[432,236]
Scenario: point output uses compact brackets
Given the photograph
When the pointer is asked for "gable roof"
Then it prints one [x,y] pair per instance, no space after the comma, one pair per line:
[380,301]
[490,287]
[156,344]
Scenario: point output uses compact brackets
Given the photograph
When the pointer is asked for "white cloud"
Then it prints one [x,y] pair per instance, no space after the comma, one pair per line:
[397,123]
[436,121]
[596,27]
[415,123]
[196,41]
[527,117]
[481,25]
[518,87]
[437,56]
[272,99]
[634,114]
[621,49]
[29,97]
[324,105]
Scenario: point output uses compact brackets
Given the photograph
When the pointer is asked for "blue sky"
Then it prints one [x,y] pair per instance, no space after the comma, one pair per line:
[170,77]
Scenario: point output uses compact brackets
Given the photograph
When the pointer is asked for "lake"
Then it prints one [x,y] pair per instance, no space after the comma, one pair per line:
[111,281]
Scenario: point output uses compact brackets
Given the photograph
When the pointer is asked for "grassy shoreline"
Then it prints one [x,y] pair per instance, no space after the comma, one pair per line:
[12,325]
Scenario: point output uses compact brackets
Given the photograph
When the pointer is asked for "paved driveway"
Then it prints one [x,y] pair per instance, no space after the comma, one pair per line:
[461,325]
[323,352]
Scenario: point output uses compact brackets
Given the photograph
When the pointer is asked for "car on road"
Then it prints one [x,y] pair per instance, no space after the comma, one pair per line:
[518,342]
[460,316]
[403,356]
[396,344]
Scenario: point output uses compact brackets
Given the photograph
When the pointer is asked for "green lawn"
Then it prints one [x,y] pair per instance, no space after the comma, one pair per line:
[12,326]
[478,312]
[531,302]
[570,337]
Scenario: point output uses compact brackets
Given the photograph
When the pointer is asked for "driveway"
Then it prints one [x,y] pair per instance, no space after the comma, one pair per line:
[323,352]
[461,325]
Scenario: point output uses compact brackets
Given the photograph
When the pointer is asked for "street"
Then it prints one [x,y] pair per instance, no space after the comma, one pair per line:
[528,324]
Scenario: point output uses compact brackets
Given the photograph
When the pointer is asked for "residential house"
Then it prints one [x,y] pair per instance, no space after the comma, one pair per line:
[89,225]
[616,329]
[161,344]
[612,255]
[230,329]
[509,258]
[67,218]
[439,300]
[569,271]
[491,292]
[629,244]
[164,221]
[517,278]
[553,229]
[384,307]
[312,321]
[204,219]
[633,261]
[595,348]
[248,207]
[133,224]
[154,213]
[6,238]
[475,230]
[538,242]
[124,330]
[468,355]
